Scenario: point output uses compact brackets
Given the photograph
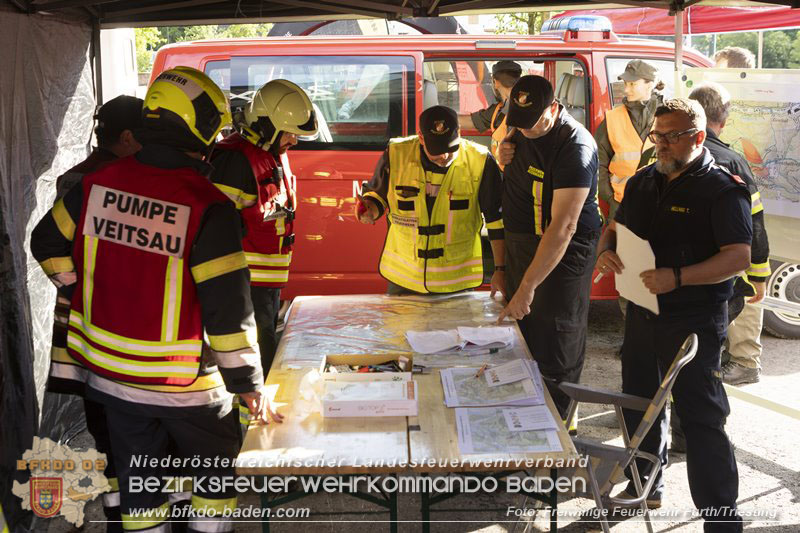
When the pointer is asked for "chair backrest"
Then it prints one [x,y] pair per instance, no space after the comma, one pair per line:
[608,473]
[572,95]
[685,354]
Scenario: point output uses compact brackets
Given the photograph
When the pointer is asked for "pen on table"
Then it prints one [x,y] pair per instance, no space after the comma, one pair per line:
[598,277]
[480,371]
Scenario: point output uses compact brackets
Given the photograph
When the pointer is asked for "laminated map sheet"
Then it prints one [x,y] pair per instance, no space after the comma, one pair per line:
[377,324]
[484,430]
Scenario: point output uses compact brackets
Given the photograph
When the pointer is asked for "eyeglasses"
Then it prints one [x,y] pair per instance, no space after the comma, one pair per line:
[669,138]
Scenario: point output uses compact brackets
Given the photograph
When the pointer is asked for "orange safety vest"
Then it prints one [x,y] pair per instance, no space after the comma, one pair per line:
[499,133]
[135,315]
[270,220]
[627,146]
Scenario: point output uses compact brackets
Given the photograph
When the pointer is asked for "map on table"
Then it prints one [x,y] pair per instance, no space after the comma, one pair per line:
[463,389]
[484,430]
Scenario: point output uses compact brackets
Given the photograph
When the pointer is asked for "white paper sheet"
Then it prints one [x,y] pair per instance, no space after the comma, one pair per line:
[637,256]
[516,370]
[529,418]
[483,430]
[494,336]
[434,341]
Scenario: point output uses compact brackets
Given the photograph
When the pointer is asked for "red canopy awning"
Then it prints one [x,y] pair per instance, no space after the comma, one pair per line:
[696,19]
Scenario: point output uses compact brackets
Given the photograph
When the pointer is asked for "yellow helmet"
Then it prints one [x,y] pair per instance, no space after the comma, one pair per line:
[278,106]
[184,102]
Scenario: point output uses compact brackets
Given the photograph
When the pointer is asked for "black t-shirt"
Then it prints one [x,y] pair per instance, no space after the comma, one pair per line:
[731,222]
[482,119]
[566,157]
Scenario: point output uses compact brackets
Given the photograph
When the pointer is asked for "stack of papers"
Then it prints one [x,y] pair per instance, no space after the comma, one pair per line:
[484,430]
[463,339]
[514,383]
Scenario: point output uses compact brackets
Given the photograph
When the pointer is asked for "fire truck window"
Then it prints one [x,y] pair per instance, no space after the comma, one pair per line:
[359,100]
[466,86]
[220,73]
[616,66]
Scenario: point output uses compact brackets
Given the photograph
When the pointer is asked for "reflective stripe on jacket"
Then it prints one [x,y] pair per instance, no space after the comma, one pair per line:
[442,252]
[628,148]
[268,217]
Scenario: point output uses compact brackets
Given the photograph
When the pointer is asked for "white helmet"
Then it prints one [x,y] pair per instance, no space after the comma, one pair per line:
[278,106]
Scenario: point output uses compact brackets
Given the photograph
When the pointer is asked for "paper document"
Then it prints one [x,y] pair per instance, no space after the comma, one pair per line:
[516,370]
[434,341]
[493,336]
[637,256]
[484,430]
[477,341]
[529,418]
[463,389]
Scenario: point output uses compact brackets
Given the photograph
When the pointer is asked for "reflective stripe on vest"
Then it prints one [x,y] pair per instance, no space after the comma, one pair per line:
[440,253]
[267,250]
[627,146]
[135,317]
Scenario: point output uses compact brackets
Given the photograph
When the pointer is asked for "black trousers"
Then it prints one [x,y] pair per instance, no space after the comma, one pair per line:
[206,437]
[555,329]
[266,304]
[651,343]
[98,428]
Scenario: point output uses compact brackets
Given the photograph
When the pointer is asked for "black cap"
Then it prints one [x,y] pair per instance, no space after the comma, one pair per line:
[439,127]
[530,96]
[637,69]
[117,115]
[512,67]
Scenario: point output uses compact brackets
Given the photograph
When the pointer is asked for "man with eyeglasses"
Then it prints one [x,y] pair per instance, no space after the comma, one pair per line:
[696,216]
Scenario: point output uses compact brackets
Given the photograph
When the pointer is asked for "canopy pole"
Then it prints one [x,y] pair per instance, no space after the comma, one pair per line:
[678,39]
[760,49]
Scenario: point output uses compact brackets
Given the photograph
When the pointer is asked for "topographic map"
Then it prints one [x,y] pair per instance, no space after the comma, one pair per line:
[763,126]
[68,479]
[484,430]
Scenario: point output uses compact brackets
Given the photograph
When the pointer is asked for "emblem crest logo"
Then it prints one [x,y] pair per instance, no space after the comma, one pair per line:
[522,99]
[439,128]
[46,495]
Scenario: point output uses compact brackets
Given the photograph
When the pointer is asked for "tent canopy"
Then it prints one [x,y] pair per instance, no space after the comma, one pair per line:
[111,13]
[696,19]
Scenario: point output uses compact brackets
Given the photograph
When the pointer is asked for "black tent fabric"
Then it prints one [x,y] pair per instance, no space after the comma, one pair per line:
[46,108]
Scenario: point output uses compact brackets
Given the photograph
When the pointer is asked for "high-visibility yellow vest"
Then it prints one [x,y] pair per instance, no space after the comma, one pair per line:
[628,148]
[440,253]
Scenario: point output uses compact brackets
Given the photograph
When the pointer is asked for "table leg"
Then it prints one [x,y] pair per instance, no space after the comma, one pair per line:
[264,505]
[426,509]
[393,512]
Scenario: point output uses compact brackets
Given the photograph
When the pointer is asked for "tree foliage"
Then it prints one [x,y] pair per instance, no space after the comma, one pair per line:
[521,23]
[149,40]
[781,47]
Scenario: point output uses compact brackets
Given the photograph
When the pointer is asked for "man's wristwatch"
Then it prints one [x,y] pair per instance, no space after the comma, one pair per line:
[500,268]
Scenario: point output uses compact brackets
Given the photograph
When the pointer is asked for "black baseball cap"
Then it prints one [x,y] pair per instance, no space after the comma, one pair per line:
[117,115]
[512,67]
[439,127]
[530,96]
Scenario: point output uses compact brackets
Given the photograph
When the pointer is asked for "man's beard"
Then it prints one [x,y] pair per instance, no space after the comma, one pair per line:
[671,165]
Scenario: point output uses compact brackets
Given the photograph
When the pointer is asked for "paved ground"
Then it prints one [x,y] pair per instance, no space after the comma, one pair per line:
[766,450]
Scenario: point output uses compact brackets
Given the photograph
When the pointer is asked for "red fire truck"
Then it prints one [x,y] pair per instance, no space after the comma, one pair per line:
[369,89]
